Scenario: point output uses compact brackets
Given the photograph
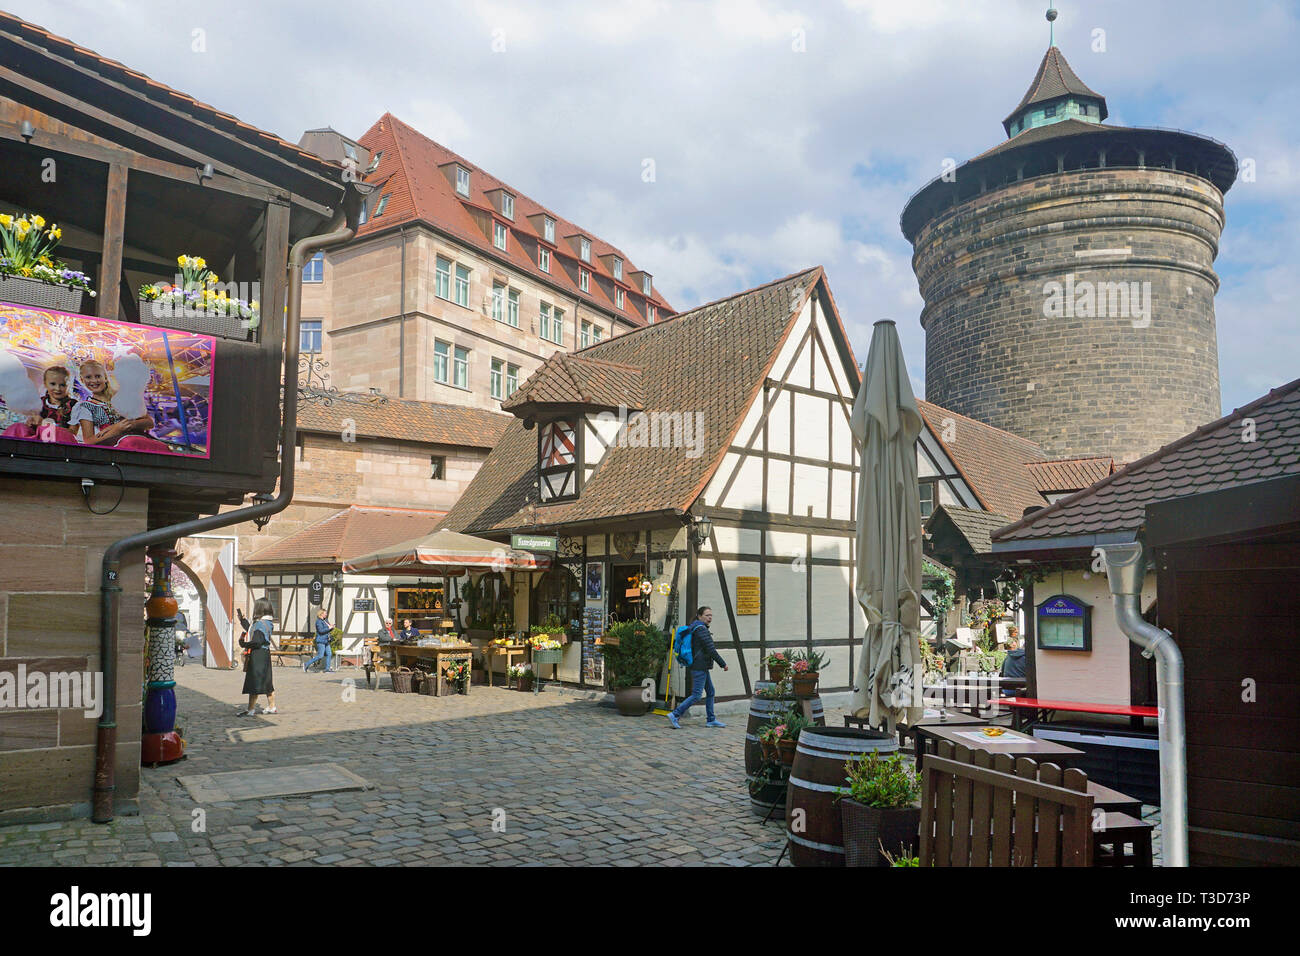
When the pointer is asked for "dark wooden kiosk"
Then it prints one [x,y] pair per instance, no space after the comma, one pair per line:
[135,174]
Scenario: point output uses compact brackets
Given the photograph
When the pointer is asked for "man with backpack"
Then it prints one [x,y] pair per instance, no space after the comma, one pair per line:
[693,645]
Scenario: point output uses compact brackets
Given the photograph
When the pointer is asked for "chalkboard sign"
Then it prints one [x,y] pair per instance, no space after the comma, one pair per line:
[363,605]
[1064,624]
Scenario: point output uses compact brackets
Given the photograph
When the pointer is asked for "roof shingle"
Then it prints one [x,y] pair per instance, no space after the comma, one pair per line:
[406,420]
[566,379]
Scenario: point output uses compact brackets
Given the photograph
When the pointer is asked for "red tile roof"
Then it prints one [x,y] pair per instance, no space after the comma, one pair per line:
[347,534]
[992,461]
[711,360]
[1223,454]
[407,420]
[565,379]
[118,72]
[411,171]
[1069,474]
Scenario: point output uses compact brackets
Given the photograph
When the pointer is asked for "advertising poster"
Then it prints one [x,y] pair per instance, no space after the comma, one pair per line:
[75,380]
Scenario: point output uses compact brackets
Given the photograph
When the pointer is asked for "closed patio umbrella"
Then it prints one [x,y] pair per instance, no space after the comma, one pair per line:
[886,423]
[447,552]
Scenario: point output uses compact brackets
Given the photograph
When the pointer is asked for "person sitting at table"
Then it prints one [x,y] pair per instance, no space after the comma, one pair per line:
[408,632]
[386,634]
[1013,666]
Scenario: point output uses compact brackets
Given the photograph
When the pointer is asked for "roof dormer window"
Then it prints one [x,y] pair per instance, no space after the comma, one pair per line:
[374,162]
[508,205]
[646,285]
[618,268]
[383,204]
[618,298]
[584,280]
[499,233]
[651,314]
[584,249]
[462,180]
[544,258]
[548,230]
[557,460]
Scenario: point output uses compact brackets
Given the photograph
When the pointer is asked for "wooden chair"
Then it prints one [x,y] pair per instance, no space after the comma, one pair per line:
[981,809]
[379,660]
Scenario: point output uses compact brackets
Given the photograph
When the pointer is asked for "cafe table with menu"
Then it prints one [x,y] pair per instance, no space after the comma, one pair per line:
[434,657]
[995,740]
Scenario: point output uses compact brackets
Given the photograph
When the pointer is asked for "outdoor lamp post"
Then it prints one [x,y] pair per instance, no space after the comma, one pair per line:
[703,527]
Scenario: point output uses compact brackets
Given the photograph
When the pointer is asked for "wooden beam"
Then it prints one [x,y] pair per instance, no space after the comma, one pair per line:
[110,264]
[274,272]
[731,616]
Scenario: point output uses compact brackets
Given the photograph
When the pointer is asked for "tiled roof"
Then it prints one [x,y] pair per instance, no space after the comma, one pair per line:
[1215,456]
[974,526]
[119,73]
[1069,474]
[566,379]
[711,360]
[347,534]
[411,171]
[992,461]
[405,420]
[1053,80]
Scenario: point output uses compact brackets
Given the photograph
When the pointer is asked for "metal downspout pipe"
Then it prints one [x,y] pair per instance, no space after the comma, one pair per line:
[1125,569]
[342,228]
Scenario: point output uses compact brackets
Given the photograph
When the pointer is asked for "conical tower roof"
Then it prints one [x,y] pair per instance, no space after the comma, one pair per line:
[1054,80]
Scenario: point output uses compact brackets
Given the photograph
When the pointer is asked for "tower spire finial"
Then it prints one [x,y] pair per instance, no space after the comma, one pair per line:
[1051,26]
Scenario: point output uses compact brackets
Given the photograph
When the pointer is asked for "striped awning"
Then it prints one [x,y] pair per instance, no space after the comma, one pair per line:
[446,552]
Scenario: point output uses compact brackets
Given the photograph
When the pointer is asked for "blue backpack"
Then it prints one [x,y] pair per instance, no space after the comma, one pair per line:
[682,643]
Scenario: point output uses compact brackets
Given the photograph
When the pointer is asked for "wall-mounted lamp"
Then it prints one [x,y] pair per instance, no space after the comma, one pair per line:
[205,172]
[26,130]
[264,519]
[702,528]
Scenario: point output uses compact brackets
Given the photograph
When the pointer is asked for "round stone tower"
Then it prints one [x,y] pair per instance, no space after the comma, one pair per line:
[1068,276]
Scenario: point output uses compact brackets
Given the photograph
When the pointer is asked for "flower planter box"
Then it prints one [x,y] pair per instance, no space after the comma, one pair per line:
[42,295]
[805,685]
[166,316]
[553,656]
[867,828]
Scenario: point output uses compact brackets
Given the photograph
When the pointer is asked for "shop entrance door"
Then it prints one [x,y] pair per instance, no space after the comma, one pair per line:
[626,600]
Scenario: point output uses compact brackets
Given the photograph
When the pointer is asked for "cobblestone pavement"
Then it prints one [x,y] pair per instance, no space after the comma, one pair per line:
[577,784]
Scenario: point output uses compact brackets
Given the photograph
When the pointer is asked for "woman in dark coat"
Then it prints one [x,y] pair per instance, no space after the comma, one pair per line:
[257,679]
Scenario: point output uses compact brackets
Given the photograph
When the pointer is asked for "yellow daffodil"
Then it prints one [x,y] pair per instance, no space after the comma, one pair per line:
[38,222]
[6,220]
[200,263]
[55,233]
[180,261]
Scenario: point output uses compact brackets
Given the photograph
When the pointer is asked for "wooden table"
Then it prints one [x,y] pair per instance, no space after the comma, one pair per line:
[1023,746]
[509,650]
[440,655]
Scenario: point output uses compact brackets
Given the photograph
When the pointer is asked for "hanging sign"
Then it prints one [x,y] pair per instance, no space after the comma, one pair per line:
[747,596]
[534,542]
[316,591]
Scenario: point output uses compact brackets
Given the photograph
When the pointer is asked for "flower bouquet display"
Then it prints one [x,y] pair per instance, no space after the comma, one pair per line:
[546,650]
[457,672]
[521,675]
[29,273]
[200,302]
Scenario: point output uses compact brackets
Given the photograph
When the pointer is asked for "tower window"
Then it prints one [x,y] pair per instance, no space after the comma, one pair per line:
[438,467]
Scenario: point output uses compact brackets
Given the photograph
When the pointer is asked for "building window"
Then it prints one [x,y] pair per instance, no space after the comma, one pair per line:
[383,204]
[441,356]
[309,335]
[1049,112]
[618,268]
[442,278]
[548,230]
[589,335]
[314,270]
[512,379]
[552,324]
[618,298]
[651,314]
[499,235]
[499,302]
[374,162]
[462,286]
[584,249]
[512,308]
[927,499]
[584,280]
[438,467]
[361,217]
[462,180]
[645,285]
[495,383]
[460,369]
[595,334]
[544,258]
[508,205]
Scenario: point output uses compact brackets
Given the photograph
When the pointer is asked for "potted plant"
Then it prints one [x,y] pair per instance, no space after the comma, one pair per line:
[199,303]
[457,672]
[778,665]
[879,806]
[794,722]
[522,675]
[639,655]
[29,273]
[805,669]
[551,627]
[768,739]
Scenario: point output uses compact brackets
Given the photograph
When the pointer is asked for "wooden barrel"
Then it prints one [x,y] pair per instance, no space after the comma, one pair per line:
[761,711]
[812,817]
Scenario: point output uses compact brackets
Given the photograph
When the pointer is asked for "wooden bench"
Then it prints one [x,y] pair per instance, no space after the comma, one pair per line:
[300,646]
[980,809]
[379,660]
[1041,711]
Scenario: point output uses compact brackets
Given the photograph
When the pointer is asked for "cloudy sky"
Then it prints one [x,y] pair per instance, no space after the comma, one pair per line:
[782,134]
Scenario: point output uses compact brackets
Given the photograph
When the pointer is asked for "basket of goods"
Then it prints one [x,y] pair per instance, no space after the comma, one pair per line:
[402,680]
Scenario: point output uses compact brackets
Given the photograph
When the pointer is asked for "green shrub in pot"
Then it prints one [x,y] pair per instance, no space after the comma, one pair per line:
[878,808]
[640,653]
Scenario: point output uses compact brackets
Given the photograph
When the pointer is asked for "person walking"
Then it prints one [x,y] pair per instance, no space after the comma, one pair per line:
[257,677]
[323,641]
[703,654]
